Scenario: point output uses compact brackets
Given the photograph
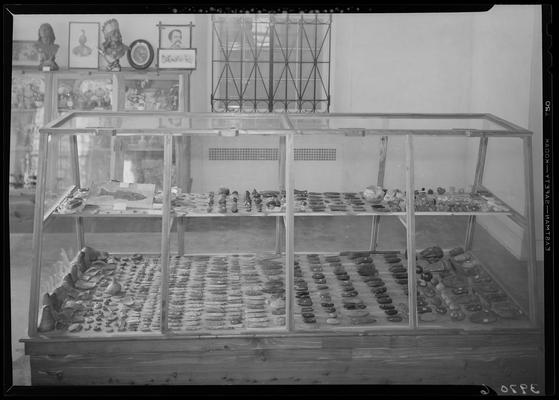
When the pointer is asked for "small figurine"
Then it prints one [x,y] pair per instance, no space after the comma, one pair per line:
[113,48]
[46,48]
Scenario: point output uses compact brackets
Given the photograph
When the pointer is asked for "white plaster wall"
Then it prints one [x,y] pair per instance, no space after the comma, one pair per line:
[412,63]
[435,63]
[507,82]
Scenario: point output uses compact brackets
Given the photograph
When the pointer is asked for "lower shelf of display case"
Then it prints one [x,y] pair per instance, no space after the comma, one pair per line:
[216,294]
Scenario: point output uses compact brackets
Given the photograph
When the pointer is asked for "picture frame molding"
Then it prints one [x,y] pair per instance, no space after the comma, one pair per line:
[96,49]
[161,27]
[159,53]
[25,63]
[131,61]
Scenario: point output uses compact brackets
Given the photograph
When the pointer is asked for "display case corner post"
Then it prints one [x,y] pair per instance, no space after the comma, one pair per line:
[478,182]
[75,162]
[410,231]
[289,229]
[118,95]
[38,234]
[117,158]
[530,231]
[279,244]
[165,229]
[375,227]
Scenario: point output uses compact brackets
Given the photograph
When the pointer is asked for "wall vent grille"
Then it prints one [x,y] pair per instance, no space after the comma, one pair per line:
[268,154]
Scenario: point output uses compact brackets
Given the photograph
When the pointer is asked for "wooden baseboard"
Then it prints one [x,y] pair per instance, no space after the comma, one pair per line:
[457,359]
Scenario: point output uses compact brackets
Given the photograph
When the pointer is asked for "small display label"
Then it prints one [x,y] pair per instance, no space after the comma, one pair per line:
[119,207]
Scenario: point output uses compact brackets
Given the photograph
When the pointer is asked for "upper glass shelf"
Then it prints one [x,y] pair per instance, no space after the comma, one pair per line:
[233,124]
[446,124]
[132,122]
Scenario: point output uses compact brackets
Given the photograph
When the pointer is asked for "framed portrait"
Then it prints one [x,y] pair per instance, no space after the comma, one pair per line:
[24,53]
[174,36]
[83,45]
[140,54]
[176,58]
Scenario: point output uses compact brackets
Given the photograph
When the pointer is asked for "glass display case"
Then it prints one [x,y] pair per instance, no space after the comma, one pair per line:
[27,115]
[360,285]
[392,227]
[39,97]
[84,92]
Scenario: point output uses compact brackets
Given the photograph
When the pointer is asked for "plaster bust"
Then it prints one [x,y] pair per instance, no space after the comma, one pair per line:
[46,48]
[113,48]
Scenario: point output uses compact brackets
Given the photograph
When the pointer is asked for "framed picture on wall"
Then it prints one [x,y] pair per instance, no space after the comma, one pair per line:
[140,54]
[176,58]
[24,53]
[174,36]
[83,45]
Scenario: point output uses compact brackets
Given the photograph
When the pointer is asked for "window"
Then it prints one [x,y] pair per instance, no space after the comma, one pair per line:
[275,62]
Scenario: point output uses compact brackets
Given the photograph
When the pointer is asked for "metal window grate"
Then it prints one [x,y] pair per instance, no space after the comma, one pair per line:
[315,154]
[268,154]
[271,62]
[242,154]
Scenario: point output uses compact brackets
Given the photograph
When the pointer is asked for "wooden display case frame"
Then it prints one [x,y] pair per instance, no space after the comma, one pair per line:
[52,112]
[513,355]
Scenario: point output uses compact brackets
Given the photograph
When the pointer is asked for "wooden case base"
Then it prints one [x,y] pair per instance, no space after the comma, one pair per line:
[424,357]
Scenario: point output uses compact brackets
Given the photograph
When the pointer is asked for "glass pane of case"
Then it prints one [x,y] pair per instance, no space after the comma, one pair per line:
[58,298]
[467,274]
[107,281]
[151,94]
[227,274]
[349,200]
[27,115]
[395,123]
[59,179]
[227,260]
[84,94]
[224,122]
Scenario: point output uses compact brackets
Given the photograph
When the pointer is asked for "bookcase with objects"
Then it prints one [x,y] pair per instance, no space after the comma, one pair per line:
[259,263]
[40,97]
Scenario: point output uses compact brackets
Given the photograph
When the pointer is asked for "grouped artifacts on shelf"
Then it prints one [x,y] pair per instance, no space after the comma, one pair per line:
[28,92]
[457,284]
[226,201]
[65,308]
[47,48]
[108,293]
[264,202]
[27,100]
[112,48]
[85,95]
[439,200]
[456,201]
[146,95]
[74,203]
[108,197]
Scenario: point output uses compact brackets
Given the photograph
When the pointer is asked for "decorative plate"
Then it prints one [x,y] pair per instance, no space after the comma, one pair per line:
[140,54]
